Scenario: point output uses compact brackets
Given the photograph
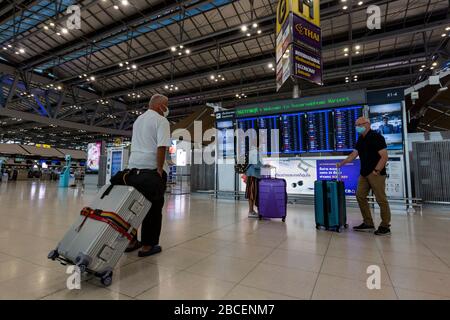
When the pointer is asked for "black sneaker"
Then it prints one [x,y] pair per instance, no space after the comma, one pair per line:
[383,231]
[364,227]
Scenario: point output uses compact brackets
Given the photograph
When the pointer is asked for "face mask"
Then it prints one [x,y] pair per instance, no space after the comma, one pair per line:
[166,113]
[360,130]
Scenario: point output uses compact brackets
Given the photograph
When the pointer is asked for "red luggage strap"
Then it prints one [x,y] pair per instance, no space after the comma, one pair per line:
[111,218]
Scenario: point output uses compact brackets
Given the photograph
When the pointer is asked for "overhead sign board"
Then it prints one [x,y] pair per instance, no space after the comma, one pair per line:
[339,99]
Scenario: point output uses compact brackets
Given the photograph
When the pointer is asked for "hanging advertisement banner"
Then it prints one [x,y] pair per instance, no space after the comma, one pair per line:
[307,65]
[298,41]
[284,67]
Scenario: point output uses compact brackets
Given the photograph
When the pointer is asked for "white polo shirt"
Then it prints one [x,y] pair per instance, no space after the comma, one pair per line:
[150,131]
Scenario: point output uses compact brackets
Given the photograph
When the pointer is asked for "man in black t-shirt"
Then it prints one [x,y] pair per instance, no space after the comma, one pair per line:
[371,149]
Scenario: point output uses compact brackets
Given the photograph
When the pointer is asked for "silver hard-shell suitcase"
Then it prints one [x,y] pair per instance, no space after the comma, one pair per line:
[96,246]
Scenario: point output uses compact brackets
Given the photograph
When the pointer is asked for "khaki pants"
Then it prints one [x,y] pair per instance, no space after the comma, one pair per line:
[378,185]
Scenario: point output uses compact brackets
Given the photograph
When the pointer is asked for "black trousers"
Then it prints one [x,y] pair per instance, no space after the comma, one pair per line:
[153,187]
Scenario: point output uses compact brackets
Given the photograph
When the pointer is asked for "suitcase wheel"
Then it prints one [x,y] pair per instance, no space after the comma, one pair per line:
[317,226]
[283,219]
[346,226]
[53,255]
[260,217]
[82,267]
[338,230]
[106,280]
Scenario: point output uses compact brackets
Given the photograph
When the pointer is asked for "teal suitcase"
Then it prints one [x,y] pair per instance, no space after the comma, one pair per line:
[329,205]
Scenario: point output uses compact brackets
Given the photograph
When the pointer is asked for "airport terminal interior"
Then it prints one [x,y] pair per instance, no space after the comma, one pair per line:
[297,85]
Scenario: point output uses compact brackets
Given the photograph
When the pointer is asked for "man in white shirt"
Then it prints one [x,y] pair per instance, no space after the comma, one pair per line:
[148,170]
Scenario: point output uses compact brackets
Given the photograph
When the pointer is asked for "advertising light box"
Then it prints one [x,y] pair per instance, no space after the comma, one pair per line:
[93,156]
[300,174]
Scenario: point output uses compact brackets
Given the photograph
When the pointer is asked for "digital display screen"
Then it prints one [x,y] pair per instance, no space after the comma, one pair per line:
[225,132]
[244,136]
[93,156]
[292,140]
[269,139]
[319,129]
[386,119]
[344,125]
[116,162]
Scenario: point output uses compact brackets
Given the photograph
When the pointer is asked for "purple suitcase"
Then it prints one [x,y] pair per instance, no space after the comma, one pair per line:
[272,198]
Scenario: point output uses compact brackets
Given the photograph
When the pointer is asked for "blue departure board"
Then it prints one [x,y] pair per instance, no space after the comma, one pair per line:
[269,139]
[245,124]
[344,124]
[116,162]
[292,137]
[319,131]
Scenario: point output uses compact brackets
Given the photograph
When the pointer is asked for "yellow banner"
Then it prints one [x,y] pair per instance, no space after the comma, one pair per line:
[307,9]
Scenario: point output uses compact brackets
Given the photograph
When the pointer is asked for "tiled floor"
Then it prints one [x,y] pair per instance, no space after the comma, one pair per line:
[213,251]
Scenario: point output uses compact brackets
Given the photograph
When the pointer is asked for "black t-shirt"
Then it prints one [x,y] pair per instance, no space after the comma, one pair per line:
[368,148]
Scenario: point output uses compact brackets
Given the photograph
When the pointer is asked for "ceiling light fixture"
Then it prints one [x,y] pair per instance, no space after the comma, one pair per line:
[116,7]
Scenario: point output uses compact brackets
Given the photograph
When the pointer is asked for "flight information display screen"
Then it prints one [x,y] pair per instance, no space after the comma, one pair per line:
[319,131]
[116,162]
[225,136]
[269,134]
[344,124]
[244,136]
[292,140]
